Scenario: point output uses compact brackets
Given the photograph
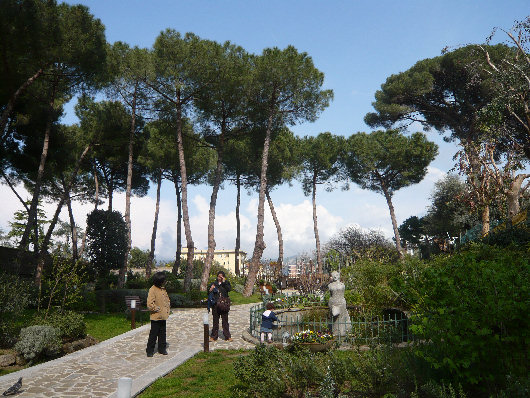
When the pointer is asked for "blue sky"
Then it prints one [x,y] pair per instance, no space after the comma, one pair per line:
[357,44]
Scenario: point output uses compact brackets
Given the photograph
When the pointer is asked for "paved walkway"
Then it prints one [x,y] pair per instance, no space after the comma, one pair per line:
[94,371]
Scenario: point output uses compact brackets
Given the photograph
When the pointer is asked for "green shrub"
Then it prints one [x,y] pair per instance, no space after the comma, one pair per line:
[38,341]
[473,312]
[70,324]
[180,300]
[88,302]
[113,300]
[259,373]
[518,235]
[173,285]
[137,280]
[15,296]
[378,285]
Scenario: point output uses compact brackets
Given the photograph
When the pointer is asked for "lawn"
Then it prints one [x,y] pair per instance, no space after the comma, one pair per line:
[106,326]
[206,375]
[238,298]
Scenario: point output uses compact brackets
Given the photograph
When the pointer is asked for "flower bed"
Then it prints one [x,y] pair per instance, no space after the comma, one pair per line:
[310,336]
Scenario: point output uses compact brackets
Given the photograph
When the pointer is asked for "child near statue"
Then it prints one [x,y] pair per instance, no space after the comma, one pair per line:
[266,323]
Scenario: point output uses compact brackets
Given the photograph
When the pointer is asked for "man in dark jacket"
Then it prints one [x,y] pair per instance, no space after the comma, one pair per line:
[223,286]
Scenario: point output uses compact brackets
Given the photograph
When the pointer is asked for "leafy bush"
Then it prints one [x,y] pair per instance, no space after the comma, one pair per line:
[173,284]
[473,312]
[15,296]
[38,341]
[378,285]
[70,324]
[268,372]
[137,280]
[88,302]
[503,237]
[113,300]
[181,300]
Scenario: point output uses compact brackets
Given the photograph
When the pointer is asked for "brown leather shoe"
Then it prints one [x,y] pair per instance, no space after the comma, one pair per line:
[230,339]
[212,339]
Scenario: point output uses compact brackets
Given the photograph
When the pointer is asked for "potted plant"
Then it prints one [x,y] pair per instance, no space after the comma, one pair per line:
[314,341]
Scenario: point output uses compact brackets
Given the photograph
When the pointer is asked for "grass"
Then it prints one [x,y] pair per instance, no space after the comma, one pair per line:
[105,326]
[238,298]
[206,375]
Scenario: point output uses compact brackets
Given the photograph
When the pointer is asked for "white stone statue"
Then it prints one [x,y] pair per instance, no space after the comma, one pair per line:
[337,306]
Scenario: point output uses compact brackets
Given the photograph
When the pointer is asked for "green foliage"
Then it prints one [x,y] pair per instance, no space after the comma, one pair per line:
[388,160]
[15,297]
[36,342]
[88,302]
[473,312]
[352,244]
[18,225]
[511,236]
[446,216]
[137,280]
[320,160]
[71,325]
[106,240]
[113,300]
[378,285]
[138,258]
[63,283]
[268,372]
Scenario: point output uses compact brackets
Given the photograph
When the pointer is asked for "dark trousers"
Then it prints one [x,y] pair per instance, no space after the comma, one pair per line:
[158,331]
[215,328]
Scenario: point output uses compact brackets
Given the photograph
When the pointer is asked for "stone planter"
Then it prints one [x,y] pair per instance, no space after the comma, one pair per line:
[318,347]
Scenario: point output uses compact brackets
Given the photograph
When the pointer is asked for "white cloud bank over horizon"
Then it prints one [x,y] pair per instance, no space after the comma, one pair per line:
[295,214]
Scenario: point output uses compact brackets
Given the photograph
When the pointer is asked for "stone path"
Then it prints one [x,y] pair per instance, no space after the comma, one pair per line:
[94,371]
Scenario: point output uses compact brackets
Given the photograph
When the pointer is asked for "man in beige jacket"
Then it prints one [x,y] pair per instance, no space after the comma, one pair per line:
[158,303]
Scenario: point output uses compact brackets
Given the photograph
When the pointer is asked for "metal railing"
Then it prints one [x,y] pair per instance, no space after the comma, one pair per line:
[363,328]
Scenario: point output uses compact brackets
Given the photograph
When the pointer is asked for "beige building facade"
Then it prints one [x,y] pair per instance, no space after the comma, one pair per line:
[225,258]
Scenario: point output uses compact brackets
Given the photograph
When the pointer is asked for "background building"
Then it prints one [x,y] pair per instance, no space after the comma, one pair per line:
[225,258]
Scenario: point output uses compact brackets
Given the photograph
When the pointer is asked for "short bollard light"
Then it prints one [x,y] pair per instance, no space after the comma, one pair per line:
[206,332]
[133,313]
[124,387]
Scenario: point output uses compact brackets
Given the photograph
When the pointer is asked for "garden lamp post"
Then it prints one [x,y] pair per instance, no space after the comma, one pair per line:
[206,332]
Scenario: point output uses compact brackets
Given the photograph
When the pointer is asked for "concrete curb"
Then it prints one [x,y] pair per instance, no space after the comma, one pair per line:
[28,372]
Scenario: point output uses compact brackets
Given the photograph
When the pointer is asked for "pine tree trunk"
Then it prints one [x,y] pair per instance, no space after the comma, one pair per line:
[315,226]
[211,216]
[96,198]
[13,99]
[176,265]
[73,228]
[36,190]
[151,259]
[278,229]
[46,241]
[388,198]
[259,246]
[123,269]
[185,213]
[238,223]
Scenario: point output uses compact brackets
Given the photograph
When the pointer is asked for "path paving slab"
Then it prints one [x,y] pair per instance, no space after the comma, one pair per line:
[94,371]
